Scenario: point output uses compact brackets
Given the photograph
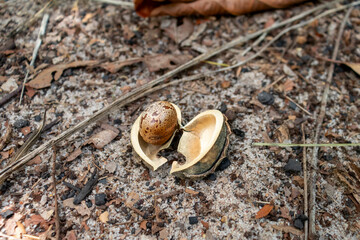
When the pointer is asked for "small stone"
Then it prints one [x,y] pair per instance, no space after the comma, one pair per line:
[298,224]
[193,220]
[21,123]
[224,164]
[223,107]
[37,118]
[100,199]
[117,121]
[293,166]
[292,105]
[211,177]
[238,133]
[230,114]
[7,214]
[88,203]
[266,98]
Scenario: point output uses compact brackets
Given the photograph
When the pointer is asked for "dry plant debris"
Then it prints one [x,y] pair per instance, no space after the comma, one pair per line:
[127,201]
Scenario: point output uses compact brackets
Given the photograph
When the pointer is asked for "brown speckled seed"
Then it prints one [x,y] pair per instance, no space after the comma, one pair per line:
[158,123]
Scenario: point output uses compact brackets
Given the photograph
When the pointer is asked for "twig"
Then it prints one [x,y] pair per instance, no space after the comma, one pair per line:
[35,52]
[57,220]
[124,4]
[8,237]
[314,159]
[306,206]
[86,190]
[9,96]
[306,145]
[298,105]
[148,88]
[257,42]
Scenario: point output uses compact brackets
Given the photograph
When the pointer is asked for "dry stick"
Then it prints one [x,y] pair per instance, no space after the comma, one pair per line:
[298,105]
[306,206]
[57,220]
[314,160]
[35,52]
[137,93]
[124,4]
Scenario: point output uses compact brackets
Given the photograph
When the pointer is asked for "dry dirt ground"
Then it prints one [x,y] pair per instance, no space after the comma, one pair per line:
[135,203]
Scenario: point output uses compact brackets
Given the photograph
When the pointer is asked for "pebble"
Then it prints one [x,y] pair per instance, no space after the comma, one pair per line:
[292,105]
[299,221]
[211,177]
[293,166]
[224,164]
[223,107]
[21,123]
[193,220]
[88,203]
[238,133]
[37,118]
[7,214]
[100,199]
[266,98]
[230,114]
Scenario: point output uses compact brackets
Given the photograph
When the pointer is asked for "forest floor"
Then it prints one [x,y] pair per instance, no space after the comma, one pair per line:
[129,201]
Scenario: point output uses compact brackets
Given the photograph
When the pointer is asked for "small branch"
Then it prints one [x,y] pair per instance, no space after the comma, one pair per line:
[9,96]
[124,4]
[306,206]
[306,144]
[35,52]
[298,105]
[57,220]
[314,159]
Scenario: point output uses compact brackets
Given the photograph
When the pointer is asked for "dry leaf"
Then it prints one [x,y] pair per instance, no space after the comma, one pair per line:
[74,155]
[181,32]
[70,235]
[190,191]
[10,224]
[104,217]
[288,229]
[44,78]
[25,130]
[158,62]
[82,209]
[30,92]
[282,133]
[264,211]
[114,67]
[150,8]
[288,85]
[102,138]
[353,66]
[132,199]
[35,161]
[285,213]
[143,224]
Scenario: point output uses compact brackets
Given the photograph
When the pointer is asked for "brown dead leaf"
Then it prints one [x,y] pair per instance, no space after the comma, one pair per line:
[264,211]
[104,217]
[114,67]
[74,155]
[205,224]
[282,133]
[102,138]
[10,224]
[35,161]
[143,224]
[70,235]
[285,213]
[354,66]
[288,229]
[87,17]
[82,209]
[190,191]
[288,85]
[181,32]
[5,155]
[36,220]
[26,130]
[30,92]
[157,62]
[150,8]
[43,79]
[132,199]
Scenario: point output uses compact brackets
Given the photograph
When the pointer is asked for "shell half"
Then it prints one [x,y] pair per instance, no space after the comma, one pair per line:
[204,144]
[147,152]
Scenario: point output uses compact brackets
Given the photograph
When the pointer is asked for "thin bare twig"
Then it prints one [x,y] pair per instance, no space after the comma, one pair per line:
[138,92]
[306,205]
[123,4]
[35,52]
[298,105]
[314,159]
[57,219]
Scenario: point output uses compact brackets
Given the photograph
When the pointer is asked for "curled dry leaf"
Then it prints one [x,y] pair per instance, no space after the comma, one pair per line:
[264,211]
[158,62]
[44,78]
[150,8]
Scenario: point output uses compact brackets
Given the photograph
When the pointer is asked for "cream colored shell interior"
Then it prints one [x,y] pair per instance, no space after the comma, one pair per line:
[198,137]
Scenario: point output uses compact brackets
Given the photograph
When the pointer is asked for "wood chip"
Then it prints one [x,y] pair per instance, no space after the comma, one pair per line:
[263,212]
